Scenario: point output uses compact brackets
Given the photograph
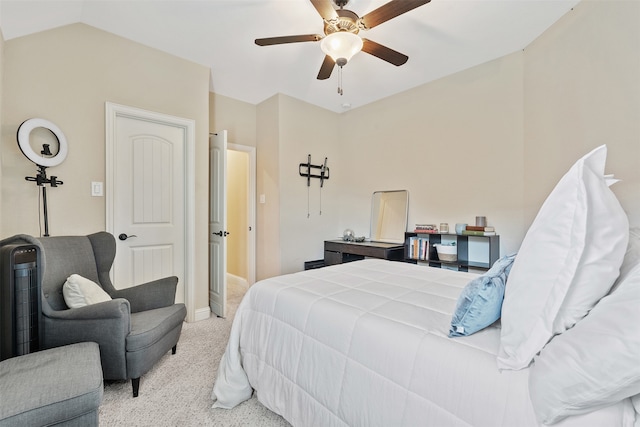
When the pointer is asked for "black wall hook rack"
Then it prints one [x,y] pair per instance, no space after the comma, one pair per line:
[305,170]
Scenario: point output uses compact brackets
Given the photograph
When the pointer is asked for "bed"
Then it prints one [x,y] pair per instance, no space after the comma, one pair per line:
[368,343]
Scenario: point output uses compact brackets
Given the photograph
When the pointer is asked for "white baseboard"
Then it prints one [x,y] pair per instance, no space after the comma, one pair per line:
[205,313]
[202,314]
[237,281]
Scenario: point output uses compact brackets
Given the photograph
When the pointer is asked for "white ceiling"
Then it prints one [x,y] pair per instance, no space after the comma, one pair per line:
[440,38]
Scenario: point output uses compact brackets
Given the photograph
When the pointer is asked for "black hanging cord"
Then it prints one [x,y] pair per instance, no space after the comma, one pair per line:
[322,178]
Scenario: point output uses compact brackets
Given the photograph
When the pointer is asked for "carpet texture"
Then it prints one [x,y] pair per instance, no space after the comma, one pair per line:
[177,391]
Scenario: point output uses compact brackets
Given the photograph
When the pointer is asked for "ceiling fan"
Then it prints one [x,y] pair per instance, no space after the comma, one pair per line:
[341,28]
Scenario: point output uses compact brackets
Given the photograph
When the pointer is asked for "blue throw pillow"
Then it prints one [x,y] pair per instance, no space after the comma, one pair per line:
[480,303]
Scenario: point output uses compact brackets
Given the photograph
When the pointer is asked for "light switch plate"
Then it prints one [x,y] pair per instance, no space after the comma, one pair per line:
[96,189]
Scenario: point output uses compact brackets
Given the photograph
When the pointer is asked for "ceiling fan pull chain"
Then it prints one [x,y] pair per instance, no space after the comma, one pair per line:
[340,81]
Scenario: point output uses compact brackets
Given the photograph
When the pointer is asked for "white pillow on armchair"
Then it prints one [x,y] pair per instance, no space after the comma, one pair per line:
[79,291]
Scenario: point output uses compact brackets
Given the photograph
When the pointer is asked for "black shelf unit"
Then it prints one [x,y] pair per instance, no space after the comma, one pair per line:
[463,244]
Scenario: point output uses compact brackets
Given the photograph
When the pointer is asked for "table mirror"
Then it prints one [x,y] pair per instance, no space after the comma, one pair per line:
[389,211]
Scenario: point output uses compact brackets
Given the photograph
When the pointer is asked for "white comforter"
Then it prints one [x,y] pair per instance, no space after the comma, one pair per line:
[365,344]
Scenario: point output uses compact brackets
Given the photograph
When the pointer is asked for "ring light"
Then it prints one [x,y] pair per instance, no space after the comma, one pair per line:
[24,132]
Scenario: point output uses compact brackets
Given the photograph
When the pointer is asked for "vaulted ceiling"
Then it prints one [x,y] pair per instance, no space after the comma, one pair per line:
[440,38]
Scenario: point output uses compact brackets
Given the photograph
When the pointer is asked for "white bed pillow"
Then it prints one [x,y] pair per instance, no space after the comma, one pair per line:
[595,363]
[632,256]
[635,401]
[79,291]
[569,259]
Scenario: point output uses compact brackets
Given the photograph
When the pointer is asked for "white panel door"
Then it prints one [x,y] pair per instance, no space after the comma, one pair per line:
[149,202]
[218,223]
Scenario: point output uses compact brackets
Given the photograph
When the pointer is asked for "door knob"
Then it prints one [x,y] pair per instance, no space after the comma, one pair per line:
[123,236]
[222,233]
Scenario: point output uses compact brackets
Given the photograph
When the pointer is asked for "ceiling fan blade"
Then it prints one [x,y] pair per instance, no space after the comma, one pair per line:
[386,54]
[389,11]
[326,68]
[325,9]
[288,39]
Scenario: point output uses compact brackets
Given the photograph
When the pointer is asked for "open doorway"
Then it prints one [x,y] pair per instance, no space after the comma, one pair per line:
[241,200]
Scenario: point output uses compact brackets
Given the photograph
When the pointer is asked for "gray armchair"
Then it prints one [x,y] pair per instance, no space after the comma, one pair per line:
[133,330]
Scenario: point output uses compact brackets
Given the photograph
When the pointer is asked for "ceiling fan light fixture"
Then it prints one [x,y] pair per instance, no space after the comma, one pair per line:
[341,46]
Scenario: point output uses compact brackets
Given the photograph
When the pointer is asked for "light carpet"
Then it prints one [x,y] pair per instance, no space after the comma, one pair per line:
[177,391]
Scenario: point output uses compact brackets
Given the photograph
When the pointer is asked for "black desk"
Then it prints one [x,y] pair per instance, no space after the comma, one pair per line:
[338,251]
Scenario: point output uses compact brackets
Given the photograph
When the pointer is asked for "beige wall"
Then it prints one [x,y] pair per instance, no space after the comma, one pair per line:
[238,118]
[290,229]
[237,208]
[308,214]
[582,87]
[66,75]
[455,144]
[268,222]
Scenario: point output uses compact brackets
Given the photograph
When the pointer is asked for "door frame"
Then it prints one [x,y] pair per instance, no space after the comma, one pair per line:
[251,209]
[112,112]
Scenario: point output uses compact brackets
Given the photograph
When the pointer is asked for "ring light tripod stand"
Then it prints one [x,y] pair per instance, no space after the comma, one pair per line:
[44,160]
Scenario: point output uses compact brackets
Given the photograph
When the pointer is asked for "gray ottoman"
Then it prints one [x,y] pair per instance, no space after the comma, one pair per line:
[59,386]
